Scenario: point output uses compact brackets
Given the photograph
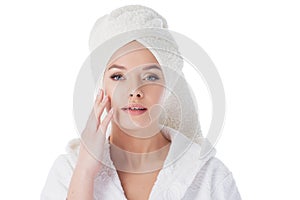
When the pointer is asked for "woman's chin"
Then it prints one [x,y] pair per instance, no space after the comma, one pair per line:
[133,125]
[138,126]
[139,129]
[129,122]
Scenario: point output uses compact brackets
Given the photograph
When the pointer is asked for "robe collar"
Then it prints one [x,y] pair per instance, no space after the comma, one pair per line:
[184,160]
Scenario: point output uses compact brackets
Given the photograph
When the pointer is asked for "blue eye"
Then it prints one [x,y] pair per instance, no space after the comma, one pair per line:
[152,78]
[117,77]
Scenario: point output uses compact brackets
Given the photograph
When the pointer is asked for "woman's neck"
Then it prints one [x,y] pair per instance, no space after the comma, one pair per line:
[137,155]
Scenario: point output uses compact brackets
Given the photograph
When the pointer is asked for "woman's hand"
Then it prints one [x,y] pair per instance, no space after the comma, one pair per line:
[90,153]
[93,137]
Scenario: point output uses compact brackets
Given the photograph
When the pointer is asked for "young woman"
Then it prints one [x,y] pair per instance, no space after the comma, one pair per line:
[145,156]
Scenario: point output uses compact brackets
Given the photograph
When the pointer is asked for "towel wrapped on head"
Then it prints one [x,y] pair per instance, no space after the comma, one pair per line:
[151,30]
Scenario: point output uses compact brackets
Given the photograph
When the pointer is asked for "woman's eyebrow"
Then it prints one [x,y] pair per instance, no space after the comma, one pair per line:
[152,67]
[124,68]
[116,66]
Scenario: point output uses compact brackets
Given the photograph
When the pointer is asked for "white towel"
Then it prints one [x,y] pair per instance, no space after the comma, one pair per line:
[150,29]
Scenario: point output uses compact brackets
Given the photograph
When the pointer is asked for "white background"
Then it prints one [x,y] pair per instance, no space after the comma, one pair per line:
[255,46]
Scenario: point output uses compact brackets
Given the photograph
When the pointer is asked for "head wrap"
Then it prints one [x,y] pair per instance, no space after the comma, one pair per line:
[149,28]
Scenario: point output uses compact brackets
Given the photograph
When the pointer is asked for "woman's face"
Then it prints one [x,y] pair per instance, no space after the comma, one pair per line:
[134,82]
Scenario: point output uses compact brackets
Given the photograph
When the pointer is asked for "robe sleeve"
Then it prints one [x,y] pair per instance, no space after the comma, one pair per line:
[226,189]
[58,180]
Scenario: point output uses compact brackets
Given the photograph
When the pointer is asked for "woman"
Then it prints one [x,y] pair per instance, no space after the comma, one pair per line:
[147,154]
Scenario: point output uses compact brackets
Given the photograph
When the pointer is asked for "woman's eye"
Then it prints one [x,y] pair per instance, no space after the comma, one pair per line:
[151,78]
[117,77]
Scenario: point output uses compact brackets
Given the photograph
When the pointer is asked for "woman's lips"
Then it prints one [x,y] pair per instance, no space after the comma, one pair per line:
[134,109]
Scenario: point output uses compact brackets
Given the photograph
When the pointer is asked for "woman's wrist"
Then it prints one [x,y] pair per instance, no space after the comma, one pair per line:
[87,164]
[87,170]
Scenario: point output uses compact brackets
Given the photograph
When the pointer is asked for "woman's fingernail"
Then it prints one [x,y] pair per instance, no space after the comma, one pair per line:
[99,91]
[105,98]
[111,110]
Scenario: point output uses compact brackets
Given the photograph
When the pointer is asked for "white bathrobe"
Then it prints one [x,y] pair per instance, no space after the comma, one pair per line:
[190,177]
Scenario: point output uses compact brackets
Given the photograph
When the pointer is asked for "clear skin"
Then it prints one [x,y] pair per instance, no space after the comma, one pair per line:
[135,78]
[134,83]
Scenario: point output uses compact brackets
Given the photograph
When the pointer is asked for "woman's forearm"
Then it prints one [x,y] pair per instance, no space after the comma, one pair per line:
[81,185]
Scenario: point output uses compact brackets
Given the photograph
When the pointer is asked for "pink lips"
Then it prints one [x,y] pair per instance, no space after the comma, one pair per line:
[135,109]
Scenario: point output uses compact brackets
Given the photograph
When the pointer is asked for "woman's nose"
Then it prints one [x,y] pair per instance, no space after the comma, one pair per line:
[137,93]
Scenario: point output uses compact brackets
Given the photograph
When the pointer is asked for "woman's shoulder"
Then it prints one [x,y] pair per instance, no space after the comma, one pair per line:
[216,178]
[60,174]
[65,162]
[214,164]
[214,171]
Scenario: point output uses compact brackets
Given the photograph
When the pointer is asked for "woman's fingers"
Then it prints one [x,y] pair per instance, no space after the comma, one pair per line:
[99,97]
[103,126]
[98,109]
[95,115]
